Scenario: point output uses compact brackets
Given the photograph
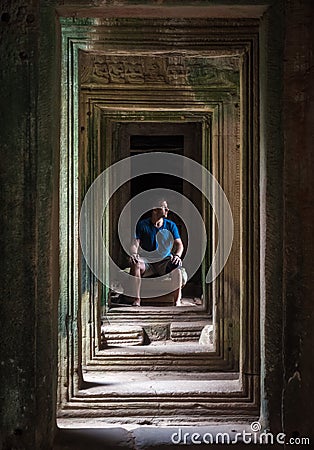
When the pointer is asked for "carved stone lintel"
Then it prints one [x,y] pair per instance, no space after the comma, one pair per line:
[98,68]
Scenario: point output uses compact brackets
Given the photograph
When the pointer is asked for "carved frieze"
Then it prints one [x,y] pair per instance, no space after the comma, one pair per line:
[173,70]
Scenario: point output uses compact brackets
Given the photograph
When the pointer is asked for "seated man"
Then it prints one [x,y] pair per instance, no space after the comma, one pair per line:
[152,235]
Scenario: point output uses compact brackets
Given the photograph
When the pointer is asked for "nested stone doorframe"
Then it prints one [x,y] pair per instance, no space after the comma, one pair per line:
[212,96]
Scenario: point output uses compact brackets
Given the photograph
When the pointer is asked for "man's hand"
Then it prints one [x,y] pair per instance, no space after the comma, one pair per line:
[175,259]
[134,258]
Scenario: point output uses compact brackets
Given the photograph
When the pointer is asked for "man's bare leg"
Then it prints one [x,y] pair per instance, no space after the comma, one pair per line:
[137,270]
[176,276]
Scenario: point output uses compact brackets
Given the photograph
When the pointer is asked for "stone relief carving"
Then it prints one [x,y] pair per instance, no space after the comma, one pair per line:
[157,332]
[97,68]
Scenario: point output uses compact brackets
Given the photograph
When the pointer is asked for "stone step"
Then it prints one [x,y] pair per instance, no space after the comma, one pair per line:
[186,331]
[121,335]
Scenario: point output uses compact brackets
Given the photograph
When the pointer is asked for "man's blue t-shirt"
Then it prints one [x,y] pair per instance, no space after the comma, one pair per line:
[157,239]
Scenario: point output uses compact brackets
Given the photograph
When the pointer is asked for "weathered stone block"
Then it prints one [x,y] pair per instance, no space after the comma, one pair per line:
[157,332]
[186,331]
[121,335]
[207,335]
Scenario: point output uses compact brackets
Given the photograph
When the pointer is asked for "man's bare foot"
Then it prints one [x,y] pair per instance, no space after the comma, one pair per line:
[137,302]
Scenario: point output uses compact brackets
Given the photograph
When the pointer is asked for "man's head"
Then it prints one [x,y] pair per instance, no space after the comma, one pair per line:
[160,209]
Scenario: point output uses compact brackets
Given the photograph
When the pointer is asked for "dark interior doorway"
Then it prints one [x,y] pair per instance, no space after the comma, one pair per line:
[140,144]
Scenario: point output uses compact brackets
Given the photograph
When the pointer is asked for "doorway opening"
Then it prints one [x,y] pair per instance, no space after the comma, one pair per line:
[140,144]
[138,138]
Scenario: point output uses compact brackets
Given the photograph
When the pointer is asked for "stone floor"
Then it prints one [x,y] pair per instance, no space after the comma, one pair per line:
[107,384]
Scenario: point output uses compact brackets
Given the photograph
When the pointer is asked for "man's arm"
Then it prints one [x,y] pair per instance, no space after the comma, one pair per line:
[177,251]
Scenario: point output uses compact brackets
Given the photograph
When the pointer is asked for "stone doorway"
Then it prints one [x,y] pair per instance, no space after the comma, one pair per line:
[109,89]
[205,128]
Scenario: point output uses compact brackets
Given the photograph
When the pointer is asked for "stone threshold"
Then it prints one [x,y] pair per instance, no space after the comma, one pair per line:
[78,434]
[158,348]
[150,383]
